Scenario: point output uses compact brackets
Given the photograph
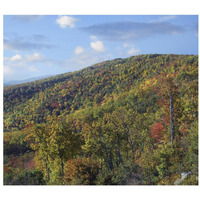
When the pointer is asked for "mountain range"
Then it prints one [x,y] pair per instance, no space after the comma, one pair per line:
[131,120]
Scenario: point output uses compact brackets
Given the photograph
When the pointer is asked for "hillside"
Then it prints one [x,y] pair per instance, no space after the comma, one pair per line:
[105,122]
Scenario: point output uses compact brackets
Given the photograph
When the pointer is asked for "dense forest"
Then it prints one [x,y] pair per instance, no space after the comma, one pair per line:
[131,121]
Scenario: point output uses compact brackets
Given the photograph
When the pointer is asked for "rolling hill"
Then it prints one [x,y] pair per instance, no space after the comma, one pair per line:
[103,121]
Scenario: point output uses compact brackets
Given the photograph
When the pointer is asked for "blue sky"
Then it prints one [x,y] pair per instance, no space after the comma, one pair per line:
[39,45]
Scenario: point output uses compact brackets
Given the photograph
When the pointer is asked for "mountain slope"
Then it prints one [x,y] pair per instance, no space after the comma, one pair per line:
[135,117]
[66,93]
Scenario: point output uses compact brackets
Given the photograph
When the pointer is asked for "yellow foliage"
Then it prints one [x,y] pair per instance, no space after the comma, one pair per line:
[148,84]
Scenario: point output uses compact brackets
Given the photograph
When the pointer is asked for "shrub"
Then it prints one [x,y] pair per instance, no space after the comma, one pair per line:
[81,171]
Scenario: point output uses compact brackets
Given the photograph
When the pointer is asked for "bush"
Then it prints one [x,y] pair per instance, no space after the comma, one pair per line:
[118,176]
[191,142]
[190,180]
[33,177]
[81,171]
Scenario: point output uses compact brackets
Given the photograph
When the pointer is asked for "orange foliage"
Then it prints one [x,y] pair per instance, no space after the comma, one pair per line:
[80,171]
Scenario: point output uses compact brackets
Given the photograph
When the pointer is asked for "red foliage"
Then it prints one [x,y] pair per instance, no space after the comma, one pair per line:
[54,105]
[184,128]
[6,169]
[31,164]
[63,87]
[157,131]
[16,162]
[162,102]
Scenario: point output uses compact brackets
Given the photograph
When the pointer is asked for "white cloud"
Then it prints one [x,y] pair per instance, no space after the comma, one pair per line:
[34,57]
[127,48]
[97,46]
[28,58]
[66,21]
[16,57]
[19,66]
[79,50]
[133,51]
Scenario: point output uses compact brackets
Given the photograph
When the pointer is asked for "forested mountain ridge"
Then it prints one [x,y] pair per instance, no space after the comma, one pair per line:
[107,118]
[72,91]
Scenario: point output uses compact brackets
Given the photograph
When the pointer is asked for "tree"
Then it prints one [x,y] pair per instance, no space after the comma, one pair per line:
[81,171]
[98,141]
[167,89]
[38,138]
[54,144]
[64,143]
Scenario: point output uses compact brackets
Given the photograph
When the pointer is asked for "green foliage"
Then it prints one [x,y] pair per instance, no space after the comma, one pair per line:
[191,151]
[117,176]
[14,143]
[66,93]
[33,177]
[94,126]
[163,155]
[54,144]
[190,180]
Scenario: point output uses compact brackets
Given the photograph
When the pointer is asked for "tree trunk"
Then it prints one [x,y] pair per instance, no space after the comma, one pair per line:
[62,167]
[110,164]
[130,142]
[48,173]
[120,160]
[172,118]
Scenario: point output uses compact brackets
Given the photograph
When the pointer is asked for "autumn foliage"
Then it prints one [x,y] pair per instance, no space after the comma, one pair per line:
[81,171]
[132,120]
[157,131]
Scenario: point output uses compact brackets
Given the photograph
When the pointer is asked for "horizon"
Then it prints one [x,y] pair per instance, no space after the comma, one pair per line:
[36,45]
[38,78]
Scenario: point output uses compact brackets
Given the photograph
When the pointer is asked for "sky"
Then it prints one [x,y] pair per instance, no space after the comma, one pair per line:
[43,45]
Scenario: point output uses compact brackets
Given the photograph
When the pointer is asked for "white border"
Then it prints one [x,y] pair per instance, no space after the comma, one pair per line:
[112,7]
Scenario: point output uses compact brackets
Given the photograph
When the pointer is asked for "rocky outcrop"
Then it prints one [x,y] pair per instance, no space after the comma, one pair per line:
[183,176]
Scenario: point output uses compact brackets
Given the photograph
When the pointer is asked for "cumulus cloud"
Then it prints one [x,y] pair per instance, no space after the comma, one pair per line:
[16,57]
[98,46]
[34,57]
[130,31]
[79,50]
[28,58]
[22,65]
[127,49]
[133,51]
[66,21]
